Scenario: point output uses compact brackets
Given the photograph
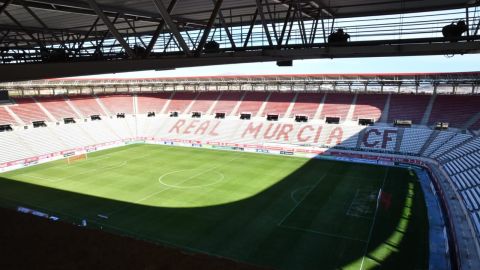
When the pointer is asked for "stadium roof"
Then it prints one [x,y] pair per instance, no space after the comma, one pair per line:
[427,83]
[72,38]
[79,15]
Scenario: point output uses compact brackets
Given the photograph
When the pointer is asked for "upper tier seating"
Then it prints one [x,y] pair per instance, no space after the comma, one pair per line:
[455,110]
[408,107]
[204,101]
[278,103]
[369,106]
[28,110]
[5,117]
[307,104]
[180,101]
[337,105]
[152,102]
[252,102]
[118,103]
[227,102]
[58,107]
[87,105]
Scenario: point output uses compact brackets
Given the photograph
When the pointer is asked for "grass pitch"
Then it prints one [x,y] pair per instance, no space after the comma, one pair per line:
[275,211]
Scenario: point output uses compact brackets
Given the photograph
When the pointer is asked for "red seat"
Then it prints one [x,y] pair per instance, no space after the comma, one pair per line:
[152,102]
[278,103]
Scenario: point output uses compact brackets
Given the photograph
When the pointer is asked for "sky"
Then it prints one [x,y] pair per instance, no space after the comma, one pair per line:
[439,63]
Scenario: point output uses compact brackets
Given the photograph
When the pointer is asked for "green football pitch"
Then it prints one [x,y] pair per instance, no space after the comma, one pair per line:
[275,211]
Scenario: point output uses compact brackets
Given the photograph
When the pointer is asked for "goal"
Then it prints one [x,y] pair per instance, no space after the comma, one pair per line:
[76,158]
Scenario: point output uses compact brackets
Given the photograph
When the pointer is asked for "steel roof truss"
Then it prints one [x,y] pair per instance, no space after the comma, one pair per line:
[111,28]
[206,31]
[171,25]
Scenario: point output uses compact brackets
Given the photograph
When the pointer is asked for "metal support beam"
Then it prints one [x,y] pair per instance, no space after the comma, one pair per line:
[103,37]
[264,22]
[158,30]
[57,39]
[171,25]
[5,5]
[111,28]
[209,26]
[301,25]
[225,26]
[323,31]
[477,28]
[285,24]
[80,45]
[252,24]
[272,19]
[323,8]
[135,32]
[4,36]
[40,44]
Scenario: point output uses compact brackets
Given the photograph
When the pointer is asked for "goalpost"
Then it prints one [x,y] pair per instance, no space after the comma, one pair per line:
[77,158]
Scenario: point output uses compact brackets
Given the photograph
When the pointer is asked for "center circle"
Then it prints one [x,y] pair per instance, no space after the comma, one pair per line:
[191,178]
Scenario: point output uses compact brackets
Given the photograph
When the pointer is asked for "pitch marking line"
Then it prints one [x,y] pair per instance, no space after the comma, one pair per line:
[105,168]
[168,188]
[354,201]
[220,179]
[56,180]
[301,200]
[322,233]
[292,194]
[373,223]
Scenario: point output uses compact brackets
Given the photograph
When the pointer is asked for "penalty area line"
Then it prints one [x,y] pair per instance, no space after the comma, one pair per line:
[301,200]
[373,222]
[322,233]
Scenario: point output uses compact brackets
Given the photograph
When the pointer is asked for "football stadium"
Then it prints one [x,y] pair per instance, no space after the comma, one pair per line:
[259,171]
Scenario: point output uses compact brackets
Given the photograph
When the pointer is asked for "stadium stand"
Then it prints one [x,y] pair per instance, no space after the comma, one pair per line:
[152,102]
[278,103]
[252,102]
[118,103]
[476,126]
[28,110]
[180,101]
[413,140]
[457,153]
[57,107]
[5,117]
[438,142]
[369,106]
[408,107]
[16,148]
[87,105]
[227,102]
[454,141]
[307,104]
[337,105]
[204,101]
[455,110]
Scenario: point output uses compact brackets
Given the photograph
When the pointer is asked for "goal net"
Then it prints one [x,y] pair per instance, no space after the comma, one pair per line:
[76,158]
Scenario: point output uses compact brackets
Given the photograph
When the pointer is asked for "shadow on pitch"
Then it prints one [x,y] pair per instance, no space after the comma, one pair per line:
[248,230]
